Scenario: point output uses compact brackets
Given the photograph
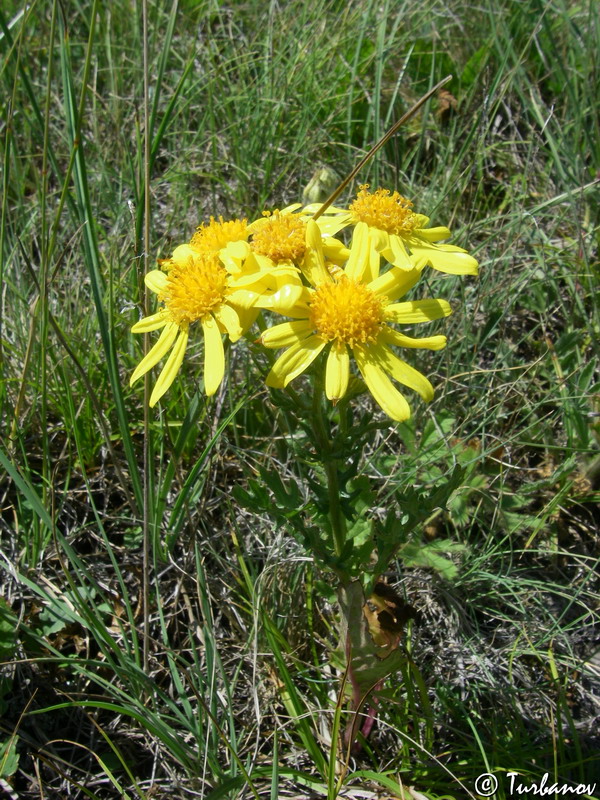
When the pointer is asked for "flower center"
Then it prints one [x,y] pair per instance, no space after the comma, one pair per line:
[195,288]
[281,238]
[346,311]
[217,234]
[379,209]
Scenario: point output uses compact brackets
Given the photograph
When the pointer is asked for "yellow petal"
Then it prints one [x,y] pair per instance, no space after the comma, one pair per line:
[372,272]
[337,371]
[390,336]
[270,278]
[244,298]
[312,208]
[358,261]
[330,225]
[419,262]
[380,240]
[151,323]
[447,258]
[395,282]
[259,223]
[331,221]
[162,346]
[171,368]
[380,386]
[246,290]
[156,280]
[247,317]
[184,254]
[241,267]
[313,263]
[417,311]
[214,355]
[335,251]
[294,361]
[290,300]
[286,334]
[432,234]
[397,254]
[264,262]
[228,318]
[403,372]
[235,256]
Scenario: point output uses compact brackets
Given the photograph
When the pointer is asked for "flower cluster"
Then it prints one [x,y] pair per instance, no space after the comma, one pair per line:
[341,300]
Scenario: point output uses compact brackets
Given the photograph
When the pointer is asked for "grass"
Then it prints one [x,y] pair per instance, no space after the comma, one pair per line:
[237,699]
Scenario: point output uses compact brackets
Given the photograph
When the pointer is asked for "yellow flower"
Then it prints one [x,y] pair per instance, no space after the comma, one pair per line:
[279,237]
[401,236]
[198,287]
[262,269]
[352,312]
[218,234]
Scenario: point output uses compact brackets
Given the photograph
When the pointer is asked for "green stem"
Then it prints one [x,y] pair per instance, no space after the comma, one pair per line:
[336,516]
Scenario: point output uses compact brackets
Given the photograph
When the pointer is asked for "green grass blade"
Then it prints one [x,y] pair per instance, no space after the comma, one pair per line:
[91,251]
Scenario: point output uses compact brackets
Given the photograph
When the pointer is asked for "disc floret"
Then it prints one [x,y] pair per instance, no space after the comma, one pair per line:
[218,233]
[346,311]
[195,288]
[281,237]
[384,211]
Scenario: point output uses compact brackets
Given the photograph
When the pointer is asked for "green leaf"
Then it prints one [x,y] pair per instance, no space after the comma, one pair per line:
[415,554]
[9,758]
[26,489]
[360,530]
[8,630]
[441,495]
[415,507]
[472,70]
[287,498]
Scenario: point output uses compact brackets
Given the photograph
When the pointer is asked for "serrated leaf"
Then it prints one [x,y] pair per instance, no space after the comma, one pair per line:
[439,497]
[244,498]
[361,493]
[415,554]
[272,479]
[359,531]
[415,507]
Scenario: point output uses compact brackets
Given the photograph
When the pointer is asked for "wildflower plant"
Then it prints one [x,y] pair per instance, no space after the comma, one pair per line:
[326,288]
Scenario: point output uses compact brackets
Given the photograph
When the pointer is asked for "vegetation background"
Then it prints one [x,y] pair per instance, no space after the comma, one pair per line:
[247,100]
